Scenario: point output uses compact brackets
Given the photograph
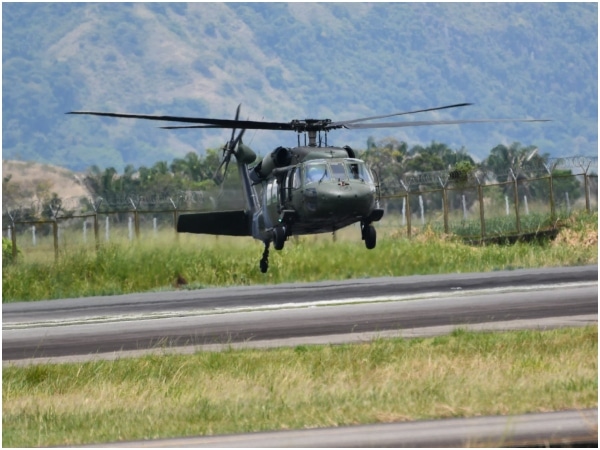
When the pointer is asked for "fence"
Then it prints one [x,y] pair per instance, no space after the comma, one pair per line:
[480,206]
[489,204]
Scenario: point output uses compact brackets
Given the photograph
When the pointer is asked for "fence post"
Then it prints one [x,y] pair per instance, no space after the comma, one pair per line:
[13,234]
[13,238]
[175,215]
[551,183]
[481,210]
[586,185]
[516,196]
[552,204]
[55,229]
[408,231]
[445,205]
[136,219]
[96,206]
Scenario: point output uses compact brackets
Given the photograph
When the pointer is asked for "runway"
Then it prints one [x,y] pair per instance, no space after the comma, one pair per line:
[75,329]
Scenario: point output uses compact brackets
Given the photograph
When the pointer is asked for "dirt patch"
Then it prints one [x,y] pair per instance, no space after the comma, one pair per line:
[32,182]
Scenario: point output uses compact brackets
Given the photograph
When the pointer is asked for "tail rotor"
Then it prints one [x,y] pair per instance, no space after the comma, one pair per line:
[228,149]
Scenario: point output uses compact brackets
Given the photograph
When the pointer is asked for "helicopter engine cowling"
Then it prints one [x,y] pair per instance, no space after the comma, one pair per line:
[245,154]
[280,157]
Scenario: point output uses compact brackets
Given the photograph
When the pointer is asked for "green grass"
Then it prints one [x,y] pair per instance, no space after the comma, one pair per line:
[460,375]
[154,264]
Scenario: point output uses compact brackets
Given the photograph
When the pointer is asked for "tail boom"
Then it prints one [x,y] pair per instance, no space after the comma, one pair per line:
[225,223]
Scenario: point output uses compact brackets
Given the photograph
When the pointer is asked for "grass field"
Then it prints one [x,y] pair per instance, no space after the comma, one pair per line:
[464,374]
[158,263]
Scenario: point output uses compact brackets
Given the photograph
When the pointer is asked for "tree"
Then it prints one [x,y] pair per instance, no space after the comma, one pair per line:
[524,162]
[386,157]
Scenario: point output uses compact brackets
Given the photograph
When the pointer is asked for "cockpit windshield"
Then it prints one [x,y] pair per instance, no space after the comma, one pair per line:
[350,169]
[316,172]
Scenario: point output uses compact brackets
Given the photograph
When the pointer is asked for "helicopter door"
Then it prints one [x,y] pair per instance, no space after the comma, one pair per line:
[292,182]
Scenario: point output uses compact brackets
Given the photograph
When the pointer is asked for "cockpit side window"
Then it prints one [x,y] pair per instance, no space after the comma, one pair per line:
[359,171]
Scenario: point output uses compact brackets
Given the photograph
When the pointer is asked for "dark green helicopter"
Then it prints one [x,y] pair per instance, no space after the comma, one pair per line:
[311,188]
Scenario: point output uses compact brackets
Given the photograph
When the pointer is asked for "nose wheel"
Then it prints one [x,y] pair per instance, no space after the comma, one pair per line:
[369,235]
[279,237]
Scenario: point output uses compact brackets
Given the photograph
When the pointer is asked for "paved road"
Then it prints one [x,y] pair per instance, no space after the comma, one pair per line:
[564,428]
[92,326]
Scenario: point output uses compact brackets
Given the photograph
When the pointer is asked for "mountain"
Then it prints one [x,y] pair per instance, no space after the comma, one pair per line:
[287,61]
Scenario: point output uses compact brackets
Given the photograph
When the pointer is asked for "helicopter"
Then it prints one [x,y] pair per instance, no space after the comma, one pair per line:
[307,189]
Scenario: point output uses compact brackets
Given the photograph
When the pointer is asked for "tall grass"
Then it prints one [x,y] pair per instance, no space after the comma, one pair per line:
[199,261]
[460,375]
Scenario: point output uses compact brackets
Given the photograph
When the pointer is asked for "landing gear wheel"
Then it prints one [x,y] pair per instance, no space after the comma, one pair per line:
[370,236]
[264,262]
[279,237]
[264,265]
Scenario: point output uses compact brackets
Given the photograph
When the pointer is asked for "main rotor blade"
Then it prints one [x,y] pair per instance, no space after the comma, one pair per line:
[190,126]
[345,122]
[433,122]
[215,123]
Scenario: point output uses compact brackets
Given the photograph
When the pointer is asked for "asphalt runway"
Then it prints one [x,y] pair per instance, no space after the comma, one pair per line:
[303,312]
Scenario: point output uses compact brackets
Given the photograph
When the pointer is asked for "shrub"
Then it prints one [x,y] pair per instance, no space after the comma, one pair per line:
[7,251]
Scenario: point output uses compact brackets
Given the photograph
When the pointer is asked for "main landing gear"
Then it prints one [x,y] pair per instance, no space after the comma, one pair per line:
[264,262]
[279,238]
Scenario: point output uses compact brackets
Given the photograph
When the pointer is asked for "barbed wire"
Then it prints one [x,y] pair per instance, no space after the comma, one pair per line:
[533,169]
[574,162]
[177,200]
[208,200]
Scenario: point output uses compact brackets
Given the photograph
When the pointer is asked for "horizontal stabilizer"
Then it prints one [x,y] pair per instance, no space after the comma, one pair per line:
[227,223]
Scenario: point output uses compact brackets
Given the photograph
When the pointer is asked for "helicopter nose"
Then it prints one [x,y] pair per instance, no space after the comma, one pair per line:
[347,200]
[358,201]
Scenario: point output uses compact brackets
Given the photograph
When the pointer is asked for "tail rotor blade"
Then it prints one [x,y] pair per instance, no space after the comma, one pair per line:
[238,139]
[228,149]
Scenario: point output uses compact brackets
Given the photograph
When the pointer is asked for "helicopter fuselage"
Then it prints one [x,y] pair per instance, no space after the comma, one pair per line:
[323,193]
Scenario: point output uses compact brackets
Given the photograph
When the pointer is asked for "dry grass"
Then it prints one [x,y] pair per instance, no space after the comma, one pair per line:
[577,236]
[461,375]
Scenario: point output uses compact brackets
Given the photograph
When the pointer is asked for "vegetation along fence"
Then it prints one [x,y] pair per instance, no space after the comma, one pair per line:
[476,205]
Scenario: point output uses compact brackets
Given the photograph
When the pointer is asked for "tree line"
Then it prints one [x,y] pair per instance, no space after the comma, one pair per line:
[390,159]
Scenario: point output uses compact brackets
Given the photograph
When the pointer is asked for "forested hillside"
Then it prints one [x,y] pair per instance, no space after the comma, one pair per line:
[287,61]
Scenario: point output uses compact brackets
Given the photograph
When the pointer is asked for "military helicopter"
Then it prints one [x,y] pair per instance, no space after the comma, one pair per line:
[308,189]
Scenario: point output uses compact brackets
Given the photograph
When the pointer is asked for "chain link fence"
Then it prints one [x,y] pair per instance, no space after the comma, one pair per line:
[485,204]
[477,206]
